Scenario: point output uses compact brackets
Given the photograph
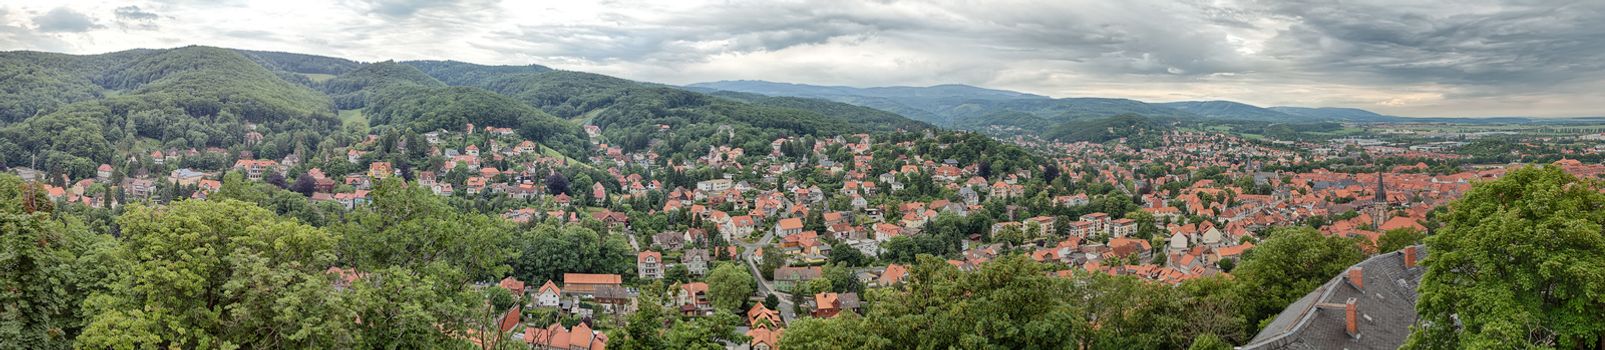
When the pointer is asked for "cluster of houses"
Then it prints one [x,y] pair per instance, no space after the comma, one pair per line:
[1198,219]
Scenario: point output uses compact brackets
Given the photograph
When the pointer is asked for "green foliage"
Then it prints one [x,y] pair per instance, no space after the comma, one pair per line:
[729,286]
[1396,239]
[547,251]
[351,90]
[1018,119]
[51,266]
[843,253]
[1209,342]
[1138,130]
[706,333]
[874,119]
[423,109]
[31,87]
[217,275]
[1289,264]
[644,329]
[300,63]
[184,97]
[842,332]
[1516,265]
[630,113]
[408,227]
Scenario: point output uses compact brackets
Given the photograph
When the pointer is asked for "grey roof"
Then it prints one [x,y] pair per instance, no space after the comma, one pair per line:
[1386,310]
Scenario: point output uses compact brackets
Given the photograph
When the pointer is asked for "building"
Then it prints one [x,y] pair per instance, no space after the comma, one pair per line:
[549,295]
[1123,227]
[589,284]
[1369,306]
[718,185]
[696,261]
[789,226]
[555,337]
[787,277]
[649,265]
[827,305]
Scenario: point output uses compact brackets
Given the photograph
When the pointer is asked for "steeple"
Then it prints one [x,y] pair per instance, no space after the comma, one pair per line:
[1382,192]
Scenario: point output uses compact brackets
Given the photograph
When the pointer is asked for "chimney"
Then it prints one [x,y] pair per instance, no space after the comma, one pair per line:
[1409,257]
[1357,277]
[1351,313]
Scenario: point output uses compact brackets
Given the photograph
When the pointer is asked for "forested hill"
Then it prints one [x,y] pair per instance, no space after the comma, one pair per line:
[1138,130]
[959,105]
[632,114]
[69,113]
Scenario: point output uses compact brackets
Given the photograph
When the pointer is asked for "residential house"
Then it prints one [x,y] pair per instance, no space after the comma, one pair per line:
[649,264]
[789,226]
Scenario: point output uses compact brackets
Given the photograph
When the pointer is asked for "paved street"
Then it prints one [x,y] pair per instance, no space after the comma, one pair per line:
[765,287]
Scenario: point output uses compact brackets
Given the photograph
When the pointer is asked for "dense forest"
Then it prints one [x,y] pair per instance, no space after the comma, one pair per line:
[194,97]
[1137,130]
[66,114]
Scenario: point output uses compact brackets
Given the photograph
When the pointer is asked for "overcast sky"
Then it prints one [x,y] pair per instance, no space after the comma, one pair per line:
[1416,58]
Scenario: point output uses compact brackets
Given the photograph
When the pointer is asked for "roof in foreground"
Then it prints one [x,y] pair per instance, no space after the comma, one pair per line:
[1386,309]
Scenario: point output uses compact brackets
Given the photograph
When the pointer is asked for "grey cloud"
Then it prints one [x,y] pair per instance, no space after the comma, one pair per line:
[132,17]
[1154,39]
[62,19]
[1518,44]
[408,8]
[133,13]
[251,34]
[692,36]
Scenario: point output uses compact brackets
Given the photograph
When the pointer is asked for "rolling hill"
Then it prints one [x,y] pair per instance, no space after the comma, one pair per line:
[954,105]
[969,107]
[73,112]
[1231,110]
[73,109]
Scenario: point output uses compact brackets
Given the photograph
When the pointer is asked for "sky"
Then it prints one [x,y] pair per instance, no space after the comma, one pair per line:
[1403,57]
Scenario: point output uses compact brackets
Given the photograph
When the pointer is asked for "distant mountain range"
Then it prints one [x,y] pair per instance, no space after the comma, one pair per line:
[969,107]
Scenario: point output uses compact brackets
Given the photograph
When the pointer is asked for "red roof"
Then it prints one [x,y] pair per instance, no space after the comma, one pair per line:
[592,278]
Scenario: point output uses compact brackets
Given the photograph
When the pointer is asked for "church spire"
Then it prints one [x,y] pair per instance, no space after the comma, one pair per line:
[1382,192]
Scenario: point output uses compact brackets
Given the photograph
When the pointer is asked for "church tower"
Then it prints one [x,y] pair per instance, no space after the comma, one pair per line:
[1379,205]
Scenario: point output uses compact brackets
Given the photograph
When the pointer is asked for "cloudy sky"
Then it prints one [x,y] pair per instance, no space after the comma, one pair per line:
[1406,57]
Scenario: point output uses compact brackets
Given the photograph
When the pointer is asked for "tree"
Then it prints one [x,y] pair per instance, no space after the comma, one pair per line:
[305,185]
[1516,265]
[275,178]
[707,333]
[843,253]
[729,286]
[547,251]
[1398,238]
[1289,264]
[1209,342]
[229,274]
[407,226]
[557,183]
[644,331]
[771,302]
[677,274]
[845,331]
[51,266]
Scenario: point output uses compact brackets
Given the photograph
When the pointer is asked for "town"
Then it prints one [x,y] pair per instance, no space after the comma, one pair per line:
[815,222]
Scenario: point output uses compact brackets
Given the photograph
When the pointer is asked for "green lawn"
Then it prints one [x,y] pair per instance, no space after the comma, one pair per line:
[353,117]
[318,78]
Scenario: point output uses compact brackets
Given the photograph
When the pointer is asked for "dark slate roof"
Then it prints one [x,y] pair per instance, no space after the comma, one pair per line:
[1386,310]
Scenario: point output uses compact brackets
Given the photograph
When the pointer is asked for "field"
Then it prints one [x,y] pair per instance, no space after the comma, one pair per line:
[349,117]
[318,78]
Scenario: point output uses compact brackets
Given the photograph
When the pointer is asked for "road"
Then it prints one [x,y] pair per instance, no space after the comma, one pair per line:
[765,287]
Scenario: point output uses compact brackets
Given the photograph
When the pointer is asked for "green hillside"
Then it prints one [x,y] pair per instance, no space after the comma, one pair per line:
[632,114]
[73,111]
[1138,130]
